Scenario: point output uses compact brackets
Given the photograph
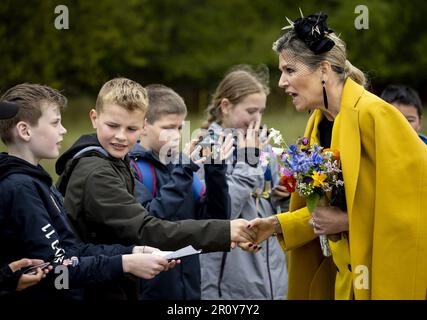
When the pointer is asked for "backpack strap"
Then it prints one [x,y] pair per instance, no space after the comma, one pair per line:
[135,170]
[91,148]
[69,168]
[198,188]
[146,174]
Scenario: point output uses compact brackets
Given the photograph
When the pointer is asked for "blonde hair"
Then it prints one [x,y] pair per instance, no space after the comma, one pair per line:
[124,93]
[30,98]
[237,84]
[337,56]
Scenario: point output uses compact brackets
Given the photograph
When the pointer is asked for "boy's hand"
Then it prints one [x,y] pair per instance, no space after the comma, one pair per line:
[28,280]
[240,232]
[192,151]
[144,249]
[146,265]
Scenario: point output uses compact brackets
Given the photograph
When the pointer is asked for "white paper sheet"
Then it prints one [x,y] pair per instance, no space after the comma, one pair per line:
[183,252]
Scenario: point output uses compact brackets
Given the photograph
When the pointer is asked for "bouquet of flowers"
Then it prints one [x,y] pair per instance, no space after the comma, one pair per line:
[310,170]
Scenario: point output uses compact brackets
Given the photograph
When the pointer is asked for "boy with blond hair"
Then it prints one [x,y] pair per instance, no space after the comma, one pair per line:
[98,185]
[33,221]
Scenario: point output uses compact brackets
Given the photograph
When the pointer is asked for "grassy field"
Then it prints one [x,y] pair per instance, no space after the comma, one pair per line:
[289,122]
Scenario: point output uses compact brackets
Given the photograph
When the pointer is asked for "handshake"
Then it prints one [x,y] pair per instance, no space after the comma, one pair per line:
[245,234]
[248,235]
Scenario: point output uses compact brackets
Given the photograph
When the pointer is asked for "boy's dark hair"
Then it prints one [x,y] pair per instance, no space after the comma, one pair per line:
[403,95]
[163,100]
[30,98]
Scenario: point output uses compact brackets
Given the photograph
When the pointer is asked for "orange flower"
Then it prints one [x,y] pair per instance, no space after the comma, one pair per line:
[289,182]
[335,153]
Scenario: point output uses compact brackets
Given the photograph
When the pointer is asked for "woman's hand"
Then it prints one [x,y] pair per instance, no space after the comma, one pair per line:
[265,227]
[329,220]
[240,232]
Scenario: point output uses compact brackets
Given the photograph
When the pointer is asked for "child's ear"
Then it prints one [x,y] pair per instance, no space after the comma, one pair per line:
[24,131]
[225,106]
[144,127]
[420,124]
[93,117]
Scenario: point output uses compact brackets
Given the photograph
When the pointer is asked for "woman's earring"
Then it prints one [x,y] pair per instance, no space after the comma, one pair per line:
[325,96]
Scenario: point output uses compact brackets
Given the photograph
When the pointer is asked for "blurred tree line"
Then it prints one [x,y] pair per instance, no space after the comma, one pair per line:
[189,44]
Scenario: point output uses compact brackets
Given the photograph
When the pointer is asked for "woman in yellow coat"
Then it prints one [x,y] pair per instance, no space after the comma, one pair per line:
[381,252]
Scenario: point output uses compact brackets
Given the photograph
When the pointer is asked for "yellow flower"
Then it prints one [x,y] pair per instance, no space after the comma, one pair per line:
[318,179]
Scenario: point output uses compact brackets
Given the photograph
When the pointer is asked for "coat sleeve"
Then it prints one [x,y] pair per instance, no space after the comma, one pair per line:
[296,231]
[216,203]
[88,249]
[42,241]
[108,203]
[74,246]
[8,280]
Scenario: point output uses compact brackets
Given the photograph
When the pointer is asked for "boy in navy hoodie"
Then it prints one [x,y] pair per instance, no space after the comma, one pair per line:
[32,219]
[11,276]
[170,189]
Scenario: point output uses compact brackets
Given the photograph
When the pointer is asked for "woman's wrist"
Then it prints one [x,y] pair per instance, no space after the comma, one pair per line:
[344,221]
[276,225]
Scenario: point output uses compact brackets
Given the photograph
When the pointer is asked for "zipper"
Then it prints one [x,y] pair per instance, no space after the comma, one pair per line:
[268,269]
[54,202]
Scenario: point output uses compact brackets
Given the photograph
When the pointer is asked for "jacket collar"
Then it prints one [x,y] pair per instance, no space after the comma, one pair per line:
[139,152]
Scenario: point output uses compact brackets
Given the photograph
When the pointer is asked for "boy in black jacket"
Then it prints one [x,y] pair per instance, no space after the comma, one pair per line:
[99,186]
[32,220]
[11,276]
[170,188]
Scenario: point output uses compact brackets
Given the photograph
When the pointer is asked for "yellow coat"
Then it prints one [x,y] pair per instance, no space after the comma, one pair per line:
[384,167]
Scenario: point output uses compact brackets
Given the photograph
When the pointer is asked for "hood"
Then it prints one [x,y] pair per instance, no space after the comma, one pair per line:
[87,140]
[11,165]
[139,152]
